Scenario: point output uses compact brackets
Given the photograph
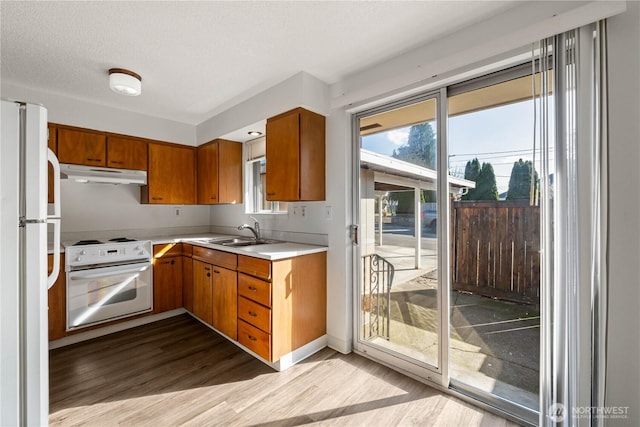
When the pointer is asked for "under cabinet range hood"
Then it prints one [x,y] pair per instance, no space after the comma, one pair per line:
[94,174]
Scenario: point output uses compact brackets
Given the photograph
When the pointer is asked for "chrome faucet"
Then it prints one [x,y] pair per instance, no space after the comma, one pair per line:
[255,229]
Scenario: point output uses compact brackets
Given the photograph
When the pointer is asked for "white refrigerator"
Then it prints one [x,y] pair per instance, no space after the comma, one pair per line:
[24,358]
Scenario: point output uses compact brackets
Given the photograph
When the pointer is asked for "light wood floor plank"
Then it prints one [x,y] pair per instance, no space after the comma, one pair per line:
[179,372]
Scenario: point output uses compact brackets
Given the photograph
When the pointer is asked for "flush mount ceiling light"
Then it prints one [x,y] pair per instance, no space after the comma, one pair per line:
[255,133]
[125,82]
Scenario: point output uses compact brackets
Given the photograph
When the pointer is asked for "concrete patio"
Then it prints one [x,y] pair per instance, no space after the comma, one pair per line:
[494,344]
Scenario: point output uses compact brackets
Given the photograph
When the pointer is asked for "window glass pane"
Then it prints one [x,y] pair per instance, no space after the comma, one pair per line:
[495,236]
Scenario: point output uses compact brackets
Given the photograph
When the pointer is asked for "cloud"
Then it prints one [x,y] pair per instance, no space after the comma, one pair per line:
[398,137]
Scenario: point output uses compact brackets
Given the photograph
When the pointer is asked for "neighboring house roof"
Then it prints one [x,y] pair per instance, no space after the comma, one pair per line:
[403,175]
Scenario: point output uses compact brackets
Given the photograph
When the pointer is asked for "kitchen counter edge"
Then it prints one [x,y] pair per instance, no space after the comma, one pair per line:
[271,252]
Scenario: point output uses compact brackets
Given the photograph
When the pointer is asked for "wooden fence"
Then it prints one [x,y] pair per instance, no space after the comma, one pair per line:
[495,249]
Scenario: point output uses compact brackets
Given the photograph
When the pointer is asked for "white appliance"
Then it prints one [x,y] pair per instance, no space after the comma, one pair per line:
[24,357]
[80,173]
[107,281]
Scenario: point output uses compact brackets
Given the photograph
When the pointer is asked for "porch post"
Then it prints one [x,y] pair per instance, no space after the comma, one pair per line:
[417,223]
[379,197]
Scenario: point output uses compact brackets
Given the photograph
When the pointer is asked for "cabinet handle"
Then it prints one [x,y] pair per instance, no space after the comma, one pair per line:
[93,160]
[216,271]
[208,274]
[117,162]
[252,314]
[156,198]
[252,338]
[207,269]
[271,194]
[213,197]
[252,289]
[169,262]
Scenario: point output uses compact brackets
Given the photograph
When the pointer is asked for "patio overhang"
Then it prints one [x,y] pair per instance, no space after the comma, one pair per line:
[397,175]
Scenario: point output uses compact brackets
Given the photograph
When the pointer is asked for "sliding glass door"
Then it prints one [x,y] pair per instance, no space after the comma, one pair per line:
[398,301]
[448,256]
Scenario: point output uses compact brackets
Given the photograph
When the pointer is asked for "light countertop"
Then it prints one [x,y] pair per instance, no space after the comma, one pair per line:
[270,251]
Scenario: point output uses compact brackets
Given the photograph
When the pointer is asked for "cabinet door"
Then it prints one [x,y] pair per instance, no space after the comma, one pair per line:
[283,158]
[203,291]
[225,301]
[167,283]
[171,175]
[57,302]
[53,145]
[187,278]
[230,167]
[126,153]
[208,174]
[82,147]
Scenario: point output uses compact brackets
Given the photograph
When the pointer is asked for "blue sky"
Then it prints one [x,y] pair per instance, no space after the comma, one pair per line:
[500,135]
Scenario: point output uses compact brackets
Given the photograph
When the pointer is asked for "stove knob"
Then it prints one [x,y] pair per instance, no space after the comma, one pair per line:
[137,248]
[83,252]
[79,258]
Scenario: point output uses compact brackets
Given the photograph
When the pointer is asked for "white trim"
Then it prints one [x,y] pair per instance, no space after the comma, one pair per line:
[478,45]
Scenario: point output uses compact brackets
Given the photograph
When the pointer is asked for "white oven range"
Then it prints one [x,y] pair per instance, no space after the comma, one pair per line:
[107,280]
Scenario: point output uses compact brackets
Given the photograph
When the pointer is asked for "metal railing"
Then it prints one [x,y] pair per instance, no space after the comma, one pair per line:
[377,277]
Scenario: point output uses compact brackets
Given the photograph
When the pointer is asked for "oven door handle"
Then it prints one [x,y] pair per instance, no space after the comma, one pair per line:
[107,271]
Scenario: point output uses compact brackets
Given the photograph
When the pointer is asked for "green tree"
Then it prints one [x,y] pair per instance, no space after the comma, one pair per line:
[520,180]
[420,148]
[486,186]
[471,172]
[485,179]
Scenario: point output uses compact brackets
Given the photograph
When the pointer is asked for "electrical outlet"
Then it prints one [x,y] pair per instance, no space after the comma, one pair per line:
[177,211]
[303,211]
[327,212]
[294,211]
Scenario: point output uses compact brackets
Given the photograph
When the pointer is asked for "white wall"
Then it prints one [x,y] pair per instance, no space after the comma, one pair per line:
[75,112]
[623,373]
[91,208]
[105,207]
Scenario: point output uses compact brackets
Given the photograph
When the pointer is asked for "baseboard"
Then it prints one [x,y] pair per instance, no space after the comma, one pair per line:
[339,345]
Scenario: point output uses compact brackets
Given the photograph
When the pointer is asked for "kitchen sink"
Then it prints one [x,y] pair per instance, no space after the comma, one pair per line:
[238,242]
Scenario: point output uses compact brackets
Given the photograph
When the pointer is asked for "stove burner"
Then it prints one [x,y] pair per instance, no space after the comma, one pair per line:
[122,239]
[88,242]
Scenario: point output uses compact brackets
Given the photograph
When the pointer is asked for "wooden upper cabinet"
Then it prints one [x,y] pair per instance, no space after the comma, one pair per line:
[171,175]
[53,145]
[126,153]
[82,147]
[220,172]
[208,174]
[296,156]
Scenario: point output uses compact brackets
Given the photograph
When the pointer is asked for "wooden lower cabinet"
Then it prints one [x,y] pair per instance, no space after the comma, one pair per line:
[284,307]
[167,277]
[187,277]
[57,297]
[225,301]
[203,291]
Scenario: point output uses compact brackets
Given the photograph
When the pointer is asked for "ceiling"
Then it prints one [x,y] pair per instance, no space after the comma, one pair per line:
[197,59]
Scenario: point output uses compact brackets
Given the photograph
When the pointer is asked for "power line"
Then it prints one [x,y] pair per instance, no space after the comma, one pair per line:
[528,150]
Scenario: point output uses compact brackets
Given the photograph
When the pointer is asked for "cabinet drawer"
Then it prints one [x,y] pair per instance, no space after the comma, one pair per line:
[254,289]
[254,339]
[223,259]
[254,313]
[167,250]
[254,266]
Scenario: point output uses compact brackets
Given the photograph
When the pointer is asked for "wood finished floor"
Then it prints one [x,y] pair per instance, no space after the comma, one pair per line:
[179,372]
